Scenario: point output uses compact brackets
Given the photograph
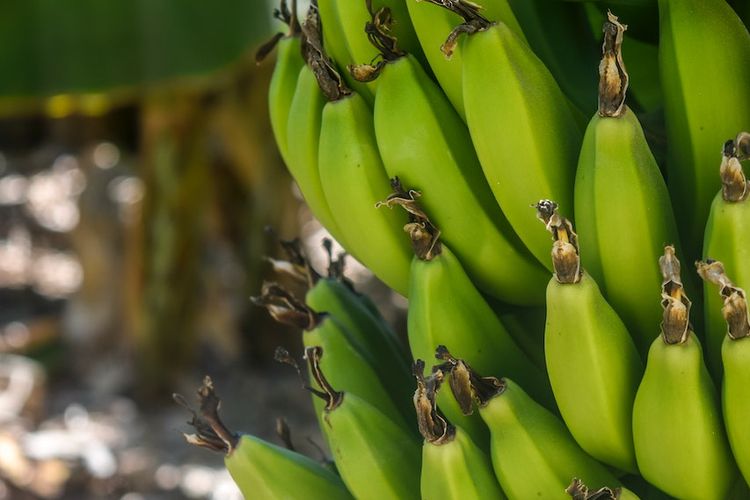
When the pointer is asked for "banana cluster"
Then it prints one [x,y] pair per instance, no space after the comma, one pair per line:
[604,371]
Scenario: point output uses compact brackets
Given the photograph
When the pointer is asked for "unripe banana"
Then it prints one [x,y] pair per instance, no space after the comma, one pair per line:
[354,179]
[679,439]
[727,239]
[518,119]
[375,456]
[446,308]
[592,362]
[283,83]
[303,128]
[431,24]
[437,156]
[735,355]
[703,47]
[533,454]
[347,363]
[453,466]
[262,470]
[624,215]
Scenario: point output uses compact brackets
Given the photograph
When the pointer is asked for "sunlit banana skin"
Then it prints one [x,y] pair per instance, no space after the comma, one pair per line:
[735,356]
[533,454]
[592,362]
[524,132]
[260,469]
[353,179]
[437,158]
[700,48]
[624,214]
[432,24]
[375,456]
[727,239]
[281,89]
[680,443]
[453,466]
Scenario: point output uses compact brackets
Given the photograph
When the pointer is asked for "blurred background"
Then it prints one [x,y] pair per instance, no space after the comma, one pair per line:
[138,175]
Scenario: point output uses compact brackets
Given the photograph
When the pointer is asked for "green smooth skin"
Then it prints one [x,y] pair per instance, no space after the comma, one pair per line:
[457,470]
[734,399]
[523,130]
[433,24]
[372,338]
[623,220]
[303,134]
[533,454]
[594,369]
[349,370]
[679,438]
[263,470]
[701,42]
[281,89]
[376,458]
[424,142]
[353,180]
[727,240]
[445,308]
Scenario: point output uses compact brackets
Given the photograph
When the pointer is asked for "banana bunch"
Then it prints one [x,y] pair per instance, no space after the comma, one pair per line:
[424,135]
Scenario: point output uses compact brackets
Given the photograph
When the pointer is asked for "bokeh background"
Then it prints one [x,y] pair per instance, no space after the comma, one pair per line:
[138,180]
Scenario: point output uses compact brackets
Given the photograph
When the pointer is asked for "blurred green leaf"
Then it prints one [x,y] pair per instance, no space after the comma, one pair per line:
[50,47]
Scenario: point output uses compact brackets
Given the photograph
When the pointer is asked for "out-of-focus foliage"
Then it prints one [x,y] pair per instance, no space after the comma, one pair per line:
[50,47]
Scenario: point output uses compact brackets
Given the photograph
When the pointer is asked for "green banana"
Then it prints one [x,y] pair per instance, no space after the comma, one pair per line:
[348,364]
[437,156]
[446,308]
[703,47]
[453,467]
[431,24]
[283,83]
[354,179]
[518,119]
[533,454]
[735,355]
[624,215]
[680,443]
[262,470]
[579,491]
[303,127]
[592,362]
[727,239]
[375,456]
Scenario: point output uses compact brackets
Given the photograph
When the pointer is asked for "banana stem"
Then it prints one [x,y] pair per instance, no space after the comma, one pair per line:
[287,16]
[331,397]
[734,185]
[613,78]
[579,491]
[474,21]
[566,259]
[735,308]
[378,32]
[211,432]
[675,325]
[423,233]
[433,425]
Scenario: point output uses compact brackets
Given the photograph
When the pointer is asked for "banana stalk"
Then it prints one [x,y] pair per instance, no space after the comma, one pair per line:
[579,491]
[727,239]
[262,470]
[375,455]
[533,454]
[592,362]
[680,443]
